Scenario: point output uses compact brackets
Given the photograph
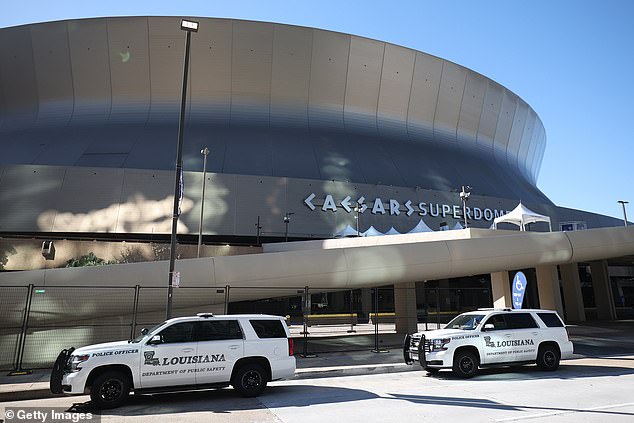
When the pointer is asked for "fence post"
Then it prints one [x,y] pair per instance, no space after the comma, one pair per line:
[351,330]
[305,310]
[438,308]
[227,288]
[137,290]
[376,323]
[18,370]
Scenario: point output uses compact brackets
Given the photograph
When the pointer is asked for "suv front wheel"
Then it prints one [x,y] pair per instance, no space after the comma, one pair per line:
[548,358]
[250,380]
[465,364]
[110,390]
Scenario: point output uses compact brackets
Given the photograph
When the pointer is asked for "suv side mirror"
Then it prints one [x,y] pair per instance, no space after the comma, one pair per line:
[155,340]
[144,331]
[488,326]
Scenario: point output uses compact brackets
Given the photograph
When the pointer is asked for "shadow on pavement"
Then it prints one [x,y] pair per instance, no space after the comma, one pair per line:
[485,403]
[227,401]
[455,402]
[567,370]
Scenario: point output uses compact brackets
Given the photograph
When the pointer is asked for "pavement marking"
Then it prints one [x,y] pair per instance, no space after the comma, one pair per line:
[559,413]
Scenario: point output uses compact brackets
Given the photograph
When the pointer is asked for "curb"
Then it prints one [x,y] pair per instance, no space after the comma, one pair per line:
[354,371]
[29,394]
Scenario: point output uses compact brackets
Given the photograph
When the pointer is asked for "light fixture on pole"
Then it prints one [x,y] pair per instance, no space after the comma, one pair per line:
[205,153]
[287,220]
[623,203]
[357,210]
[188,27]
[464,196]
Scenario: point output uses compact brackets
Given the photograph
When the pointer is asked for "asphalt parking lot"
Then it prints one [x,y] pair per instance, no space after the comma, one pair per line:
[582,390]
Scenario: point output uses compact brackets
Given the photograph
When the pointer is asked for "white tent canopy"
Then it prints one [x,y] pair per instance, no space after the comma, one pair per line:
[392,231]
[372,231]
[457,226]
[421,227]
[348,231]
[522,216]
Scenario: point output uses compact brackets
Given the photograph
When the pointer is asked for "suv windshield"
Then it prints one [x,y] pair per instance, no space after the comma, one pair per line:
[465,322]
[141,336]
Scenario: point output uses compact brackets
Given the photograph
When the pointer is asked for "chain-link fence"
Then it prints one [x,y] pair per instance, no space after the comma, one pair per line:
[37,322]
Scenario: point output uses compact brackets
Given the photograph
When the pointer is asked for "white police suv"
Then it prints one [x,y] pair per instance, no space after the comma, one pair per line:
[203,351]
[490,337]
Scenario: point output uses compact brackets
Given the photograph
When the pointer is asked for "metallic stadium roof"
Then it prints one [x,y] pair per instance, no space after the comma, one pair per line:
[267,99]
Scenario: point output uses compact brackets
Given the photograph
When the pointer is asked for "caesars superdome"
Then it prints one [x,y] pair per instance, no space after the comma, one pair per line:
[297,120]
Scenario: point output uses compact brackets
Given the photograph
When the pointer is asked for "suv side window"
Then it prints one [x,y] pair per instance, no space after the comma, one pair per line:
[551,320]
[497,321]
[179,332]
[520,321]
[268,328]
[218,330]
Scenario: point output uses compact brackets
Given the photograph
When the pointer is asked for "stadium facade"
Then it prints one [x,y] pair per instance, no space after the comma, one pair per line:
[297,120]
[89,115]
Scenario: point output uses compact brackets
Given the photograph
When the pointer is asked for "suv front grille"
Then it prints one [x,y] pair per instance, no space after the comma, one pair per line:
[415,341]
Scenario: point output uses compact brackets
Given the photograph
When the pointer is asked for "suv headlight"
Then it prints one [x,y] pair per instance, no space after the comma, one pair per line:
[439,344]
[76,360]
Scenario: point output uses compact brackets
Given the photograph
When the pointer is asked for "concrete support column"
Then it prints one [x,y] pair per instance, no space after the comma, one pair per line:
[366,301]
[501,289]
[572,292]
[405,307]
[603,297]
[548,288]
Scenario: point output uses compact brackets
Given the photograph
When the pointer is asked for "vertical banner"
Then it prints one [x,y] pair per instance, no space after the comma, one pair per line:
[519,288]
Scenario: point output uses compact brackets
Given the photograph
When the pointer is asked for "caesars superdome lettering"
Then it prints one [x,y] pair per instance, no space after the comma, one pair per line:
[393,208]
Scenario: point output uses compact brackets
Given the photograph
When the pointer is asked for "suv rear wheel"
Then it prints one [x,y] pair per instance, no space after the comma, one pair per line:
[465,364]
[250,380]
[110,390]
[548,357]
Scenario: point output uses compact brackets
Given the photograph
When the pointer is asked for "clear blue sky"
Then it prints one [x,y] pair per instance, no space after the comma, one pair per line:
[572,61]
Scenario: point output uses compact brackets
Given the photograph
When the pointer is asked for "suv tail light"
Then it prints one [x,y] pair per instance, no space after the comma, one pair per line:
[291,350]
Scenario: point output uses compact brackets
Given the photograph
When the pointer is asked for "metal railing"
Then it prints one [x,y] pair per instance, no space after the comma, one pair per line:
[36,322]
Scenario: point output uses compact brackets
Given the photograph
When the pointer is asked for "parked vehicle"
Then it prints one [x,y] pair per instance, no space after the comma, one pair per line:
[203,351]
[490,337]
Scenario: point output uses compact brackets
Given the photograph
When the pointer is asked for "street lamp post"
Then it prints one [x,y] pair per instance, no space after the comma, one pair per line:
[205,153]
[258,228]
[188,27]
[287,220]
[623,203]
[464,196]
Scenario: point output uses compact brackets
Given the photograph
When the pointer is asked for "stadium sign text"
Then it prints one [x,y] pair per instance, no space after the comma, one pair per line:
[395,208]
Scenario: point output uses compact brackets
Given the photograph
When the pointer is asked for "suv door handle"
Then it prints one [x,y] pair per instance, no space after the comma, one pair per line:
[188,350]
[508,335]
[535,333]
[234,347]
